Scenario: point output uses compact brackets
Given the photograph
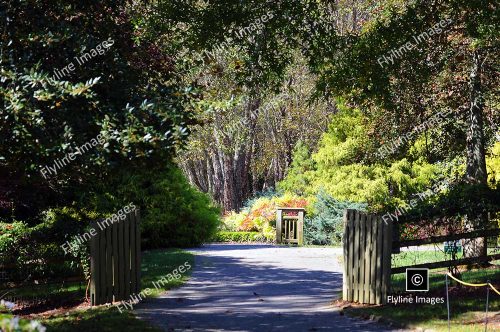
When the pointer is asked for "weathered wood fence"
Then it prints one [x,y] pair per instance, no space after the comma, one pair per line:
[450,237]
[367,245]
[290,226]
[115,263]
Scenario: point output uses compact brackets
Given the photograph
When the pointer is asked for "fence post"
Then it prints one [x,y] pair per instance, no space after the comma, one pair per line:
[345,246]
[447,301]
[367,259]
[94,268]
[372,248]
[279,215]
[138,250]
[126,253]
[300,228]
[387,254]
[487,303]
[109,266]
[133,253]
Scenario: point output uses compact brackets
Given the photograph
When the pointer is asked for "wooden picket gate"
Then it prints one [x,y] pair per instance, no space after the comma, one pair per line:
[290,226]
[115,263]
[367,246]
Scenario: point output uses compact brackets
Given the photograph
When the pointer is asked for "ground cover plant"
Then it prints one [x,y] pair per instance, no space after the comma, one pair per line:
[467,304]
[76,316]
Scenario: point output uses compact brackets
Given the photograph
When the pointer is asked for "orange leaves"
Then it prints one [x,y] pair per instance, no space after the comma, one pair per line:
[263,211]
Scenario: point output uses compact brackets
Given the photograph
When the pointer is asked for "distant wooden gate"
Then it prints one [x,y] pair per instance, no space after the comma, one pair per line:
[115,263]
[290,225]
[367,245]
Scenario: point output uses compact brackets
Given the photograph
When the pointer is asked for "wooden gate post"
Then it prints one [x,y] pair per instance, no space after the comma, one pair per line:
[115,259]
[279,217]
[367,249]
[300,228]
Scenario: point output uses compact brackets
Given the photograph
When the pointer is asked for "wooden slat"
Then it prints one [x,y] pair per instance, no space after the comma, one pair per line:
[373,260]
[127,254]
[367,272]
[94,263]
[300,228]
[289,234]
[138,250]
[378,278]
[133,252]
[283,231]
[351,256]
[102,266]
[279,214]
[116,289]
[121,261]
[386,259]
[356,256]
[109,265]
[362,246]
[291,217]
[345,244]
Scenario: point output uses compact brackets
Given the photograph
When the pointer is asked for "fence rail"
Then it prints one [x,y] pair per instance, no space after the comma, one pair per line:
[368,248]
[115,262]
[451,237]
[449,263]
[439,239]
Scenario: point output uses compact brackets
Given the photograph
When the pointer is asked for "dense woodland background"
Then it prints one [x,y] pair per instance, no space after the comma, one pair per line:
[201,124]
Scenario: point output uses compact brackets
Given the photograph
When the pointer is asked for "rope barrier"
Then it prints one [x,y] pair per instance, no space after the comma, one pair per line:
[474,285]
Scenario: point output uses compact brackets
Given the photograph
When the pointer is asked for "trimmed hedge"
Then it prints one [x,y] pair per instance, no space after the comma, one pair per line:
[241,237]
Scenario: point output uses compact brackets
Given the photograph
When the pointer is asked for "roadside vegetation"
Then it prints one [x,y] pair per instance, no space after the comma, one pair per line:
[467,304]
[79,316]
[208,116]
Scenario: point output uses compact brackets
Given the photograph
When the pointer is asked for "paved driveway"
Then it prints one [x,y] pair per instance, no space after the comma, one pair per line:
[256,288]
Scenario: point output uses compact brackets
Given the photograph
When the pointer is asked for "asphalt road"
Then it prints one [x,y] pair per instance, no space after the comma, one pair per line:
[256,288]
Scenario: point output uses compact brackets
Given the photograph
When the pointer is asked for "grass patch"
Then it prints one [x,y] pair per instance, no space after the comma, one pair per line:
[406,258]
[467,304]
[434,254]
[155,265]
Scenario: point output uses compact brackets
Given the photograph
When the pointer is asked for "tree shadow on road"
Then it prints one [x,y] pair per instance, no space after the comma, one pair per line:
[231,294]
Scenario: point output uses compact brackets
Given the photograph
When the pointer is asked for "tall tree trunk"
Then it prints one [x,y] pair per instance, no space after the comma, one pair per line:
[210,175]
[476,160]
[218,178]
[229,193]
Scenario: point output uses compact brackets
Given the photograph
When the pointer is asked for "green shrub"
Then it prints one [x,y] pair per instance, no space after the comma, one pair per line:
[232,221]
[173,213]
[241,237]
[325,225]
[33,253]
[343,166]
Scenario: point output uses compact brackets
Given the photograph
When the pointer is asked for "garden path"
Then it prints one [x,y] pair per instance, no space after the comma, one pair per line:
[257,288]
